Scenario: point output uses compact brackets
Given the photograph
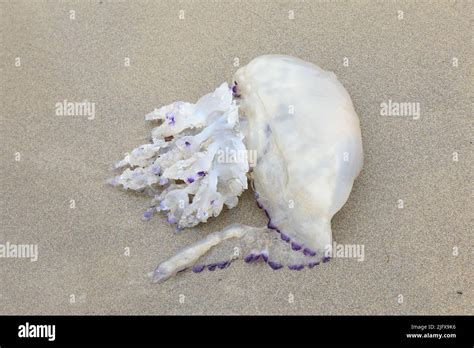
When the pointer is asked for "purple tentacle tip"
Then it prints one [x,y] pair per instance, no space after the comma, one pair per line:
[295,246]
[223,264]
[275,265]
[284,237]
[170,118]
[147,215]
[265,256]
[212,266]
[171,219]
[187,143]
[309,252]
[235,90]
[326,259]
[198,268]
[296,267]
[190,180]
[201,173]
[312,264]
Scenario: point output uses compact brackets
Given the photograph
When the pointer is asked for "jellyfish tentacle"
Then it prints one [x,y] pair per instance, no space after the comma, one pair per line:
[193,255]
[197,161]
[220,249]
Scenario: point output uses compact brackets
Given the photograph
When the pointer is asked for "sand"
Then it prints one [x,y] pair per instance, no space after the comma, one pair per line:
[48,160]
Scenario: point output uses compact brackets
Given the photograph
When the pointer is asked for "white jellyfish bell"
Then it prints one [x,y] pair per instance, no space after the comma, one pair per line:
[299,122]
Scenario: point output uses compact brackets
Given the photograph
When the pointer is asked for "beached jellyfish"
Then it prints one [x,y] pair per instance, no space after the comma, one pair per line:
[299,122]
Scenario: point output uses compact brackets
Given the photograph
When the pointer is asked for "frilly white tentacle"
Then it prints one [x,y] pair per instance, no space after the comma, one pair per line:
[196,163]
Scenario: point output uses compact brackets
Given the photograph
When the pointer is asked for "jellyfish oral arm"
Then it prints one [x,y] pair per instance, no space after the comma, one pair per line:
[183,168]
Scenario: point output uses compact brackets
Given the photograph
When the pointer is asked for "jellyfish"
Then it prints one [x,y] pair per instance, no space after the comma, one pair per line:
[285,127]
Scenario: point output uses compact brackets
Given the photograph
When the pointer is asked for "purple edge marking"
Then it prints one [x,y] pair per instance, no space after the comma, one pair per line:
[271,225]
[223,264]
[170,118]
[295,246]
[198,268]
[275,265]
[249,258]
[266,213]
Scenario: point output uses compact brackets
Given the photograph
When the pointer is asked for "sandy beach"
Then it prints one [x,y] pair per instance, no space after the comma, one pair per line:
[411,207]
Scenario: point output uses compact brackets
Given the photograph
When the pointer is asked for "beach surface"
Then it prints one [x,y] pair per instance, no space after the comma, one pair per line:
[411,207]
